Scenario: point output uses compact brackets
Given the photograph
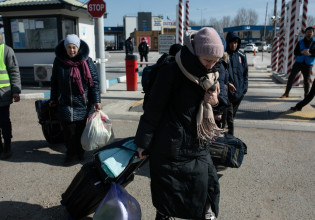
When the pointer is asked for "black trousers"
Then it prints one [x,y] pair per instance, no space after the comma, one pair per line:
[72,134]
[307,99]
[230,114]
[145,56]
[306,72]
[5,122]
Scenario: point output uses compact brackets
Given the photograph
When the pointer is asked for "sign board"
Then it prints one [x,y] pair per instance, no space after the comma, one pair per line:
[165,42]
[96,8]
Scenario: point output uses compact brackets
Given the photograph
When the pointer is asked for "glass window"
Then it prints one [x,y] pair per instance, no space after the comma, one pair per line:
[68,27]
[34,33]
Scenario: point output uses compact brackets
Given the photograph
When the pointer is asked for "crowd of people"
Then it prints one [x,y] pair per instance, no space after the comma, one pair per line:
[194,99]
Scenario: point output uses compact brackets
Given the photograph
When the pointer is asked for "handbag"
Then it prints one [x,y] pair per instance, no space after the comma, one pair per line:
[228,151]
[118,204]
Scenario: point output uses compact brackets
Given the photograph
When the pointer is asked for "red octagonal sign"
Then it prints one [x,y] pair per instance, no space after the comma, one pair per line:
[96,8]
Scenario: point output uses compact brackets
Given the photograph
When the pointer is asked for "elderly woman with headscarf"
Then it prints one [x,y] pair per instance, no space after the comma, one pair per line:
[177,127]
[75,90]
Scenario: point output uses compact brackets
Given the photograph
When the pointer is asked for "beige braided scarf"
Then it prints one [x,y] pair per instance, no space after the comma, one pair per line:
[206,126]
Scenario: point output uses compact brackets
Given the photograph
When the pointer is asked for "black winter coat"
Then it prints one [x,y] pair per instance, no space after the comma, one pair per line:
[182,172]
[72,105]
[128,47]
[143,48]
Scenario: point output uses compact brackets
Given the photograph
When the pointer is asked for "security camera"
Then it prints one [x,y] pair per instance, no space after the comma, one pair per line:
[273,17]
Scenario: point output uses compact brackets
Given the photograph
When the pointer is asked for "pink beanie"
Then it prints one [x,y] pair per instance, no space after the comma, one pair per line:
[207,42]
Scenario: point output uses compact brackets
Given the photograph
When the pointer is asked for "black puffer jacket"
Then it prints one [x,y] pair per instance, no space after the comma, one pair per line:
[72,106]
[182,172]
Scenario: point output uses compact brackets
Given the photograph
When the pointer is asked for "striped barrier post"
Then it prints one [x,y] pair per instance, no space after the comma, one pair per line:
[291,42]
[304,20]
[179,23]
[304,16]
[275,54]
[281,39]
[187,16]
[297,30]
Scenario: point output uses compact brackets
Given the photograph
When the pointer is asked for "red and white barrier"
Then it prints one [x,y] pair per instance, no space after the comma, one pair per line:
[291,43]
[275,54]
[187,16]
[304,16]
[179,23]
[281,38]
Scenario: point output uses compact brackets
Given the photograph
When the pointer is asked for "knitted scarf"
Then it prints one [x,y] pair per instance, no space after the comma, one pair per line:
[206,126]
[75,73]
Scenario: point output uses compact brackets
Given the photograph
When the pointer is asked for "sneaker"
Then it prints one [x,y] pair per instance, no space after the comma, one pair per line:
[209,215]
[285,95]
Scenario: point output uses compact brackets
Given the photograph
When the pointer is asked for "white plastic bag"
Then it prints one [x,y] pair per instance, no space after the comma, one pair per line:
[97,131]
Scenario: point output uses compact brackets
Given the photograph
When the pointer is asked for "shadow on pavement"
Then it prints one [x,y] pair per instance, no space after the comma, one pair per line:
[22,211]
[40,152]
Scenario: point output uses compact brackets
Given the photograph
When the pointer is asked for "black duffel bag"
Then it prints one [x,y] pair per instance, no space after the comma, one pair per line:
[228,151]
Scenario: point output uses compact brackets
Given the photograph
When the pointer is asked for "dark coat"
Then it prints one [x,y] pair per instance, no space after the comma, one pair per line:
[238,69]
[72,105]
[143,48]
[182,172]
[223,81]
[129,46]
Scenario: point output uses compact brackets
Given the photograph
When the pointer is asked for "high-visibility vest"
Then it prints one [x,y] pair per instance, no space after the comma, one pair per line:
[4,76]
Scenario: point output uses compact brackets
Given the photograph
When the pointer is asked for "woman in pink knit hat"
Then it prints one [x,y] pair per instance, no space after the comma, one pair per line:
[177,127]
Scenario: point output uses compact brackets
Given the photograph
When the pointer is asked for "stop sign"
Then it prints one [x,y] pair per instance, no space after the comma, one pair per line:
[96,8]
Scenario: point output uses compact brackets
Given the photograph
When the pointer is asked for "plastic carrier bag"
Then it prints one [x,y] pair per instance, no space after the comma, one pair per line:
[97,131]
[118,204]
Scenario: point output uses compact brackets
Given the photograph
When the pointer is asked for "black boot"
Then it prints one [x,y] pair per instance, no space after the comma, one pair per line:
[6,150]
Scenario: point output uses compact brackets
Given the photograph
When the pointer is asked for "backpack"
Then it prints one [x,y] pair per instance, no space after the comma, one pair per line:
[149,74]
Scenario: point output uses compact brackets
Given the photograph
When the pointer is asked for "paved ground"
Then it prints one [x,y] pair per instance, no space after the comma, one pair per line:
[276,180]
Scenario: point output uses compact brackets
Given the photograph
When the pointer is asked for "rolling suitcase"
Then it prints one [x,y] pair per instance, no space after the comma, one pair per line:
[85,192]
[48,119]
[90,185]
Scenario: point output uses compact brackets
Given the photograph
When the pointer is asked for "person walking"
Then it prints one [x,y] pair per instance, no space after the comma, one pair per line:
[10,89]
[75,90]
[238,78]
[143,51]
[306,100]
[129,46]
[305,57]
[177,127]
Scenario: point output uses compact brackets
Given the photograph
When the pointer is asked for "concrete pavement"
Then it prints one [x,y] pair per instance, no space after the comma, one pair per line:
[275,181]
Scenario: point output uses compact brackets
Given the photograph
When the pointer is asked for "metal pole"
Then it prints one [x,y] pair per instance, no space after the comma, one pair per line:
[275,20]
[100,54]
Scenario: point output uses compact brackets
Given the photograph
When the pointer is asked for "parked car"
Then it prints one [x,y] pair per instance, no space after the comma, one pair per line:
[250,48]
[262,45]
[269,49]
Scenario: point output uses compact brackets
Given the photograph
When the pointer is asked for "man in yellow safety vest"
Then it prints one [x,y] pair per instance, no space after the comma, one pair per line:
[10,88]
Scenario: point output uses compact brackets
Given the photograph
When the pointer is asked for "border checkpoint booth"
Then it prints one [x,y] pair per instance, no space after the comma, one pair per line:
[34,28]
